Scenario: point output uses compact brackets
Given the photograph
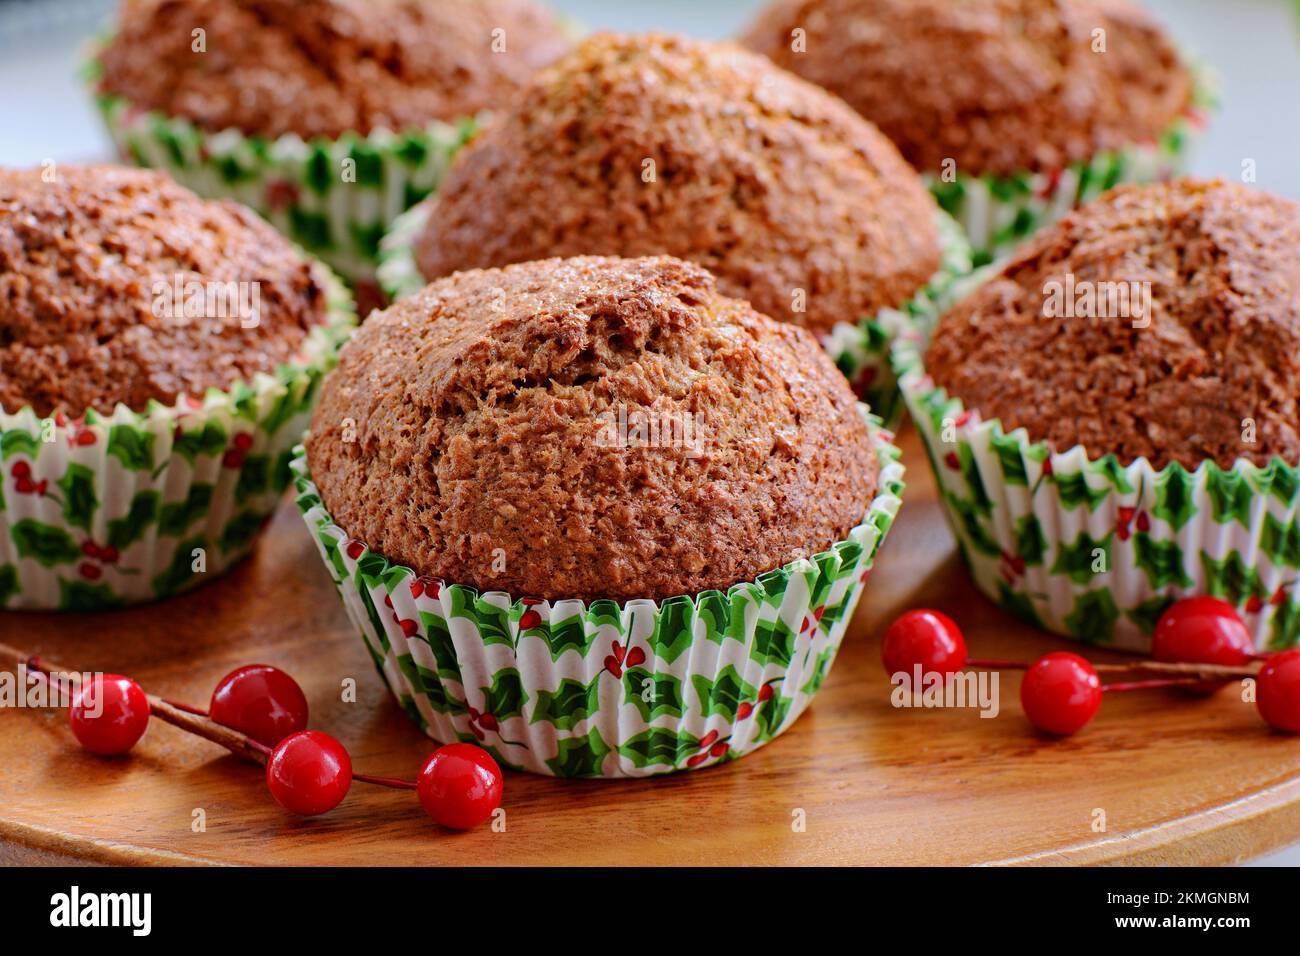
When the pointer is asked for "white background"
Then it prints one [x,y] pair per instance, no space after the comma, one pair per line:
[1254,45]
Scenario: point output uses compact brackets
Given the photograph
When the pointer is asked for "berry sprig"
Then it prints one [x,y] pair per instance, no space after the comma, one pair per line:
[1199,644]
[259,713]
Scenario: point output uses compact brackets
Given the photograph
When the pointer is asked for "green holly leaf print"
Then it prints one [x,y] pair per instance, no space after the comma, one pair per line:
[653,694]
[493,622]
[724,695]
[1093,618]
[1281,542]
[1007,449]
[439,697]
[310,229]
[506,697]
[369,164]
[8,583]
[659,746]
[773,643]
[821,668]
[283,409]
[602,613]
[1017,605]
[1113,472]
[181,571]
[319,171]
[580,756]
[436,634]
[1074,490]
[770,715]
[1031,543]
[1162,561]
[240,531]
[1078,559]
[412,150]
[968,516]
[1174,498]
[1230,496]
[131,446]
[979,497]
[1284,630]
[570,704]
[254,477]
[711,610]
[80,596]
[131,527]
[18,442]
[672,633]
[1230,579]
[569,634]
[79,501]
[209,440]
[1279,479]
[44,543]
[177,516]
[1148,613]
[366,238]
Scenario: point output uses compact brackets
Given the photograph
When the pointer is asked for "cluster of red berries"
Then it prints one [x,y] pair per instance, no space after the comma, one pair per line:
[1061,692]
[307,771]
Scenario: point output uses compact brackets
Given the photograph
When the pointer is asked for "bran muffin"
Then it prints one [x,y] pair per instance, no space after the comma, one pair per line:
[326,67]
[649,145]
[482,408]
[83,262]
[329,117]
[1027,91]
[1222,346]
[159,359]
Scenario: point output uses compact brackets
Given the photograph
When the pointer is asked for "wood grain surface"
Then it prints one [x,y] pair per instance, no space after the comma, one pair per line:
[1180,780]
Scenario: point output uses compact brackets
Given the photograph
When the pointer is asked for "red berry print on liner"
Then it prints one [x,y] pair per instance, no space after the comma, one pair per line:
[620,656]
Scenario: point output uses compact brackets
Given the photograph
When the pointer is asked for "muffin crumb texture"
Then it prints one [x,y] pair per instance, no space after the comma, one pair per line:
[326,67]
[1216,373]
[999,86]
[90,267]
[649,145]
[488,447]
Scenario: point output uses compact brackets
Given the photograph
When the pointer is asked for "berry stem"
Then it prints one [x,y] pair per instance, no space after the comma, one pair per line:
[196,721]
[1201,671]
[1123,686]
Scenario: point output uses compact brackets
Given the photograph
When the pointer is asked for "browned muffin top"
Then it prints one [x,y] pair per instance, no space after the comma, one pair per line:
[488,449]
[1222,346]
[651,145]
[324,67]
[999,86]
[94,279]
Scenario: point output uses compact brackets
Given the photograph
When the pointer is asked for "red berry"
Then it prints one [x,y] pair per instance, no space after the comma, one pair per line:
[489,722]
[89,548]
[696,759]
[24,486]
[309,773]
[109,714]
[925,637]
[718,749]
[1254,604]
[356,549]
[765,692]
[1047,466]
[460,786]
[1277,692]
[952,461]
[613,666]
[1123,533]
[744,710]
[635,656]
[1126,515]
[410,627]
[109,555]
[90,572]
[1060,693]
[529,620]
[708,739]
[21,469]
[233,458]
[620,652]
[260,701]
[85,438]
[243,441]
[1144,522]
[1202,630]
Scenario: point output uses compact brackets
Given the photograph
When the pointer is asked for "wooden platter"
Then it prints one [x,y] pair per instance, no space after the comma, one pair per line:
[1178,780]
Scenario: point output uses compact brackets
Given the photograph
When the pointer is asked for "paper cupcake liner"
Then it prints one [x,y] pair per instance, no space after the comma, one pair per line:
[1095,550]
[860,349]
[109,510]
[604,689]
[998,213]
[334,197]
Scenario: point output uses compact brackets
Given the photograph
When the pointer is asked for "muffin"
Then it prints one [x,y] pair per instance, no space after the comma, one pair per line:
[595,514]
[1048,104]
[649,145]
[329,117]
[1114,414]
[159,355]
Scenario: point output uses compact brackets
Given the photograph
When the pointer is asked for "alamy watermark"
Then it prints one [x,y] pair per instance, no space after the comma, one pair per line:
[45,689]
[1073,298]
[181,298]
[638,428]
[932,689]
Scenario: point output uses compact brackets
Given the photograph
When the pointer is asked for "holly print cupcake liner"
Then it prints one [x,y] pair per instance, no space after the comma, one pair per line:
[998,213]
[334,197]
[107,510]
[1096,550]
[859,349]
[599,689]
